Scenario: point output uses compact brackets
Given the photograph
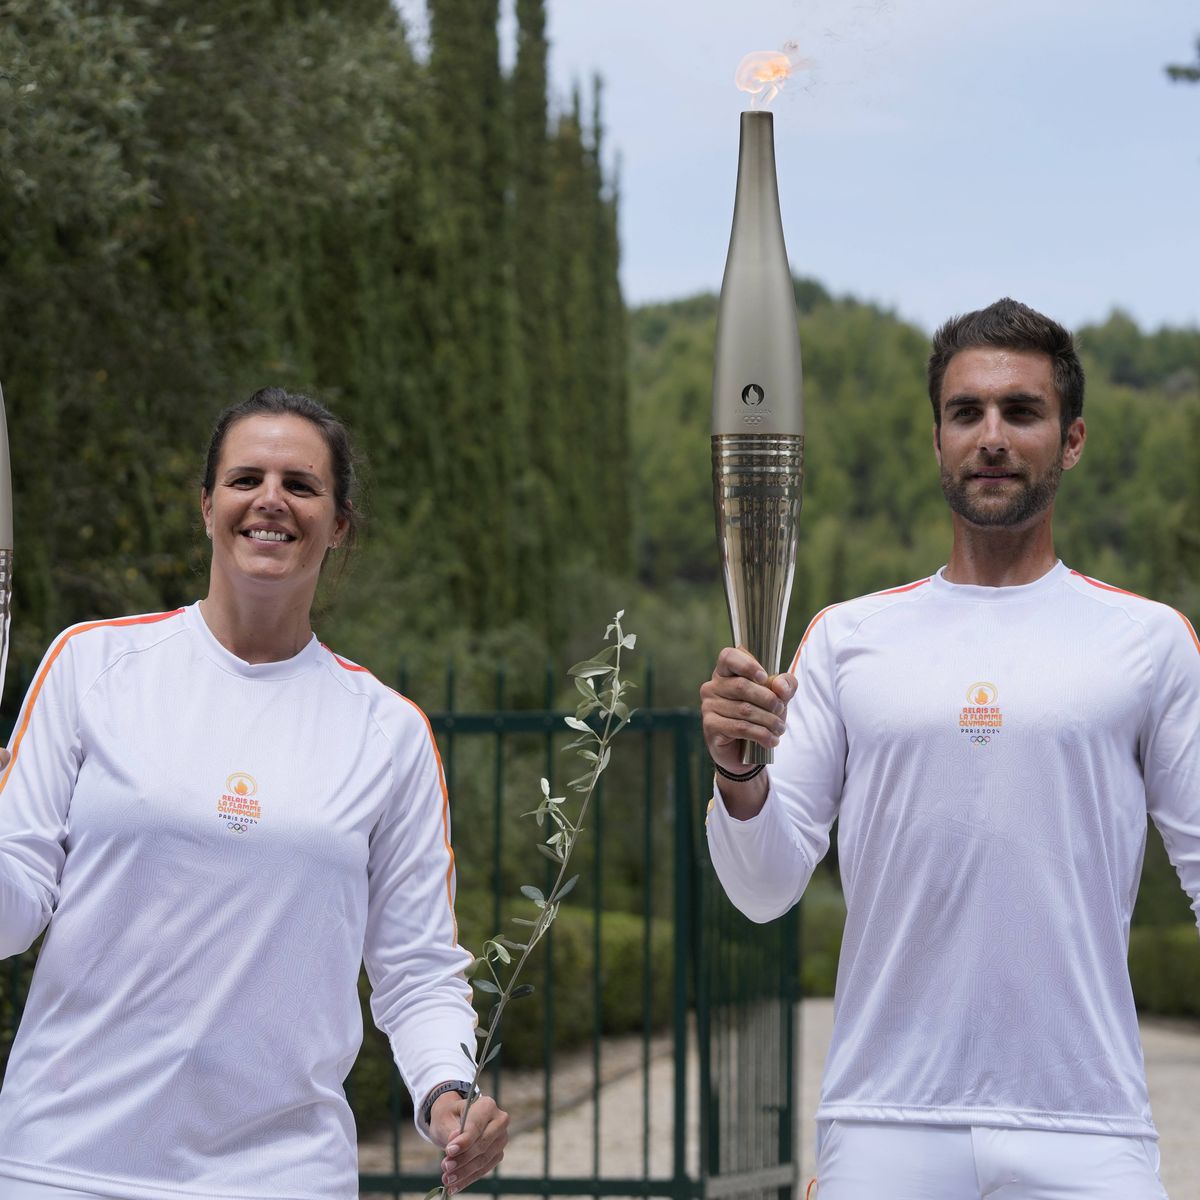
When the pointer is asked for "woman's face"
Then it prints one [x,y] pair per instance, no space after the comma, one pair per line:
[271,514]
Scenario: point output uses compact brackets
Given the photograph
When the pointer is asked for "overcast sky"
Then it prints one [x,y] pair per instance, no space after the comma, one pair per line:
[935,155]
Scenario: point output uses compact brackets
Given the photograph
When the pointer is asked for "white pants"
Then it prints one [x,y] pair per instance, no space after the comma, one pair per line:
[18,1189]
[869,1160]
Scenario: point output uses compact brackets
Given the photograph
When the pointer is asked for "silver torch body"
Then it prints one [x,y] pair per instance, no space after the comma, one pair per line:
[758,411]
[6,542]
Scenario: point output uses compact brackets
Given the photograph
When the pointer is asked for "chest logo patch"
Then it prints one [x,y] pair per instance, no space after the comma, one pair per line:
[981,719]
[238,806]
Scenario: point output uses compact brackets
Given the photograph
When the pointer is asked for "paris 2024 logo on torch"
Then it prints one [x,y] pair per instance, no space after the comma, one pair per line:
[981,719]
[753,395]
[238,806]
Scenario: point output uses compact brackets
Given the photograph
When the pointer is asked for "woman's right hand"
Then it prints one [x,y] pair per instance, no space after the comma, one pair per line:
[4,757]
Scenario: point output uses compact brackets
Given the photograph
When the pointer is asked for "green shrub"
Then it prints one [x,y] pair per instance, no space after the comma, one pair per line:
[1164,966]
[822,917]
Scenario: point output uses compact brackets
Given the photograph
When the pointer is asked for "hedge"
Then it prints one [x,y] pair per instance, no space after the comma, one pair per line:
[1164,961]
[572,936]
[1164,965]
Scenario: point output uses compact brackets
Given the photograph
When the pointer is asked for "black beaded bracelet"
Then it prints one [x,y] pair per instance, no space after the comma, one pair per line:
[750,774]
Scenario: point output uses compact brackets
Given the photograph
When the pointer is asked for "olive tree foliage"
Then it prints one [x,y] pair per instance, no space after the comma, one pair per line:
[160,173]
[197,201]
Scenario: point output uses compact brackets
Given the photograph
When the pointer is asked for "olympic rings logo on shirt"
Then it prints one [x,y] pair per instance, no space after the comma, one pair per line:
[238,827]
[980,739]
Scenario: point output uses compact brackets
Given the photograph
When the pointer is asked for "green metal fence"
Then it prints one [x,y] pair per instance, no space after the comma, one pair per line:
[660,1057]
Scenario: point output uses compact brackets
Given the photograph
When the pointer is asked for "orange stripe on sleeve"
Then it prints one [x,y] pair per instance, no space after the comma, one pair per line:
[1108,587]
[445,813]
[349,666]
[811,626]
[1190,629]
[907,587]
[36,690]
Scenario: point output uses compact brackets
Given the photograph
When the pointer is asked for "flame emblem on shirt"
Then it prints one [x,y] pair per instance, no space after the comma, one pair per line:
[238,806]
[980,718]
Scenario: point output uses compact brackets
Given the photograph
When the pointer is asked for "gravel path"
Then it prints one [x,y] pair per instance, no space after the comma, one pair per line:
[1172,1052]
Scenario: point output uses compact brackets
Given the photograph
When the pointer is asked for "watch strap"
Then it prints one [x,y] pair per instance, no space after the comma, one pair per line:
[462,1086]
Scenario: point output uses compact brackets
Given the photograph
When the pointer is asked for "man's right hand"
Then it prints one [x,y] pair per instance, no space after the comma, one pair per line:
[741,702]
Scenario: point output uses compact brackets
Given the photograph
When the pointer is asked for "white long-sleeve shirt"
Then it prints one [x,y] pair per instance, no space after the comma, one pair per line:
[991,754]
[216,846]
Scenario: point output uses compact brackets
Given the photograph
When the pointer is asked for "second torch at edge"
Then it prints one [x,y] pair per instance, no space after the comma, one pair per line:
[758,411]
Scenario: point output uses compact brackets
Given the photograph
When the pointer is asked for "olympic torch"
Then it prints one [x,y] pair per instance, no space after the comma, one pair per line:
[6,543]
[758,411]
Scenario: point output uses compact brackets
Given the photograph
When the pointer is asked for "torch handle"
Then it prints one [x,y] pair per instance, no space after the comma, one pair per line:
[757,492]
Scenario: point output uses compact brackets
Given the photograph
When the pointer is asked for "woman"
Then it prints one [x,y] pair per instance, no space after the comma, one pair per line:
[219,819]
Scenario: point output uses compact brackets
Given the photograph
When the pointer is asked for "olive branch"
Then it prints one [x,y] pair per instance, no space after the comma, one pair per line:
[600,715]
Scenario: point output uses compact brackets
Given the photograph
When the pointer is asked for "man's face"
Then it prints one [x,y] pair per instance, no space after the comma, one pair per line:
[1000,445]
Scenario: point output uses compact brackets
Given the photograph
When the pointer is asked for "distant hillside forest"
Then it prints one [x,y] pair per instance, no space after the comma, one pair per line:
[873,512]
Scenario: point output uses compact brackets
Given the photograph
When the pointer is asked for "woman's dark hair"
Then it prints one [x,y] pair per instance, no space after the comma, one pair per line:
[273,401]
[1010,325]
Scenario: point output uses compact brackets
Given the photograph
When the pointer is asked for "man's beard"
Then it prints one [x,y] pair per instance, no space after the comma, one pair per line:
[1030,500]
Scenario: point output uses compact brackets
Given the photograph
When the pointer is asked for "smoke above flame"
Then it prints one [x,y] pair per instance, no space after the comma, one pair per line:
[763,72]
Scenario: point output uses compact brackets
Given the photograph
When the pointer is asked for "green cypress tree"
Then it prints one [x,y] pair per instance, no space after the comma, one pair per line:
[611,400]
[472,364]
[540,349]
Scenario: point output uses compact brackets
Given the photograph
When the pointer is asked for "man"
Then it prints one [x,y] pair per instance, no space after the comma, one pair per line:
[991,739]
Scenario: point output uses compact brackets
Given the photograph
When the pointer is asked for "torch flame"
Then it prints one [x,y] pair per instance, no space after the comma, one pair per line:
[763,72]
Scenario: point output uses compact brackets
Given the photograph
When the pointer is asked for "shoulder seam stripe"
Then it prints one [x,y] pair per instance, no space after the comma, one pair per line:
[346,665]
[36,690]
[1108,587]
[437,754]
[1190,628]
[811,626]
[907,587]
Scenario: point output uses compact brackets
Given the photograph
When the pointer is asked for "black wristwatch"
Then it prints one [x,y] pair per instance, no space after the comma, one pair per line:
[461,1086]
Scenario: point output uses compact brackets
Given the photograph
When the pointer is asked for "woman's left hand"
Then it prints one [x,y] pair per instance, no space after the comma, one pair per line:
[471,1154]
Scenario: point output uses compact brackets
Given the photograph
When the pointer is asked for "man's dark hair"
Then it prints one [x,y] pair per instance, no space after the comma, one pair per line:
[1010,325]
[273,401]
